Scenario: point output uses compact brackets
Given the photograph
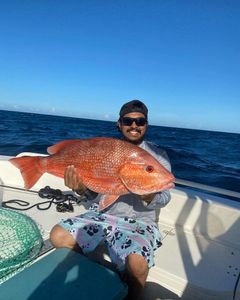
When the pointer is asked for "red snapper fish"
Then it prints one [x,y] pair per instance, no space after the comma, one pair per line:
[107,166]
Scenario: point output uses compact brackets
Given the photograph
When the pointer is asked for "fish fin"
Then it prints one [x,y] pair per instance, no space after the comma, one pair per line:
[106,201]
[57,147]
[124,182]
[102,185]
[126,175]
[30,168]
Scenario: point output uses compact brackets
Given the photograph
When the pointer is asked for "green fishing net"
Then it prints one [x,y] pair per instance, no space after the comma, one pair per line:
[20,242]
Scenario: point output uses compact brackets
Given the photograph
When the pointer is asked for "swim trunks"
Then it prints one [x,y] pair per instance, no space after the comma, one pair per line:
[122,236]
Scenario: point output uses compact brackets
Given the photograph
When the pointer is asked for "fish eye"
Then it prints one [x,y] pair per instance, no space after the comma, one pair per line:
[149,169]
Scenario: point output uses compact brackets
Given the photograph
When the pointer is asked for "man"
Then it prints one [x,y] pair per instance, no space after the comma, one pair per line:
[128,226]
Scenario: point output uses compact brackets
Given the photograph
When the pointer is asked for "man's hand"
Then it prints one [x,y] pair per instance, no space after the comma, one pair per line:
[73,181]
[147,198]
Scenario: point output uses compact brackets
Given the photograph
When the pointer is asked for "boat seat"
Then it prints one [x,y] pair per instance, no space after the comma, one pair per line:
[191,263]
[64,274]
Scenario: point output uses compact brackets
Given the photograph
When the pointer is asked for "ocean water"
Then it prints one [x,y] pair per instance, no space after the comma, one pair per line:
[207,157]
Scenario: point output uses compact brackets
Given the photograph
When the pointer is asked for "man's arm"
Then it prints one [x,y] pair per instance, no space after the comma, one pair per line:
[156,200]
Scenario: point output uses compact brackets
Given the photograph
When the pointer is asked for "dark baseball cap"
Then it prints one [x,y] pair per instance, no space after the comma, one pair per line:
[134,106]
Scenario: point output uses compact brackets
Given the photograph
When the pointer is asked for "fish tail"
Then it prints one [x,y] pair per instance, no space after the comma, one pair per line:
[30,168]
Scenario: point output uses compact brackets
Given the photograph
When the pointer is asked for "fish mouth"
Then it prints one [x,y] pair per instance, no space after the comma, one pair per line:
[168,186]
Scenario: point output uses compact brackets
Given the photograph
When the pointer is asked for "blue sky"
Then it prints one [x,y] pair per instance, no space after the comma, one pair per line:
[86,58]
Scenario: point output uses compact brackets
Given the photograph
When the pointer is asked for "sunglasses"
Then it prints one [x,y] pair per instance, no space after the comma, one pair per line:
[127,121]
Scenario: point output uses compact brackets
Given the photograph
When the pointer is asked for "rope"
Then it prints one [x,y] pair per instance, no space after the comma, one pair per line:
[63,201]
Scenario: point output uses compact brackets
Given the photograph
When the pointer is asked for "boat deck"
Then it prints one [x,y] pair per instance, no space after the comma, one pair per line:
[63,274]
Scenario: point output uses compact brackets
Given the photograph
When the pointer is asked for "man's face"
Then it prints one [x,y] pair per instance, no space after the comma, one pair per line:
[133,130]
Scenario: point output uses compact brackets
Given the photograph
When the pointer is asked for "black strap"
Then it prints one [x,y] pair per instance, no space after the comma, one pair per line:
[63,201]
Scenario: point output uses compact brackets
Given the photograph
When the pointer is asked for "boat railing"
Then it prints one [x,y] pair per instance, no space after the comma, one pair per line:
[207,188]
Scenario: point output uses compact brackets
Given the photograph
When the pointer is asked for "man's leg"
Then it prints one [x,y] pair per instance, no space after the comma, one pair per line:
[61,238]
[135,275]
